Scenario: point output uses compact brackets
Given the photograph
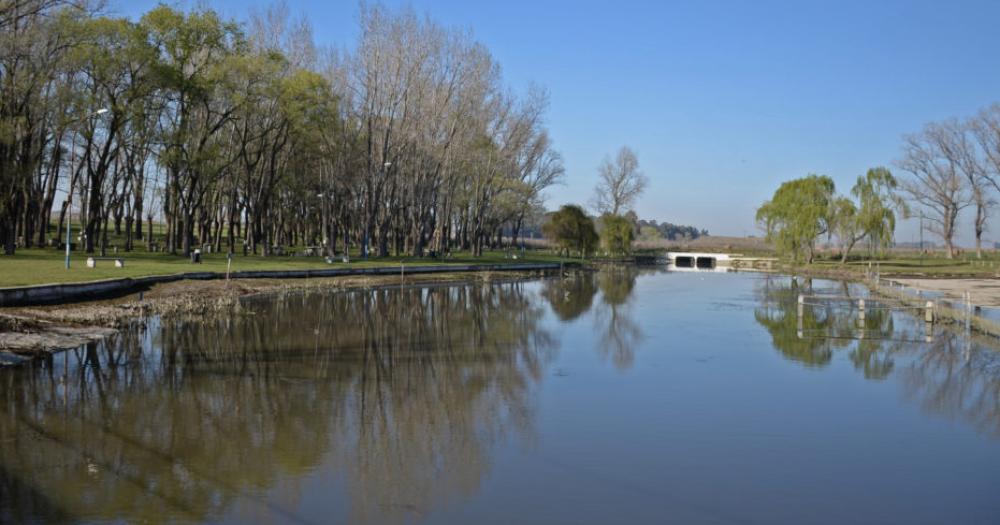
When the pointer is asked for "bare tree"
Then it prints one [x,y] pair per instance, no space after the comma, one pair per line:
[620,182]
[936,181]
[985,127]
[959,148]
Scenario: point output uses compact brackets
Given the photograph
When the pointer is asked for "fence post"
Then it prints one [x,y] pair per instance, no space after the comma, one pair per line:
[968,312]
[801,312]
[929,312]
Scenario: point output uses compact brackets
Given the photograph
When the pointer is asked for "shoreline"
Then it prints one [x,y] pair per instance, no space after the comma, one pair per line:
[64,293]
[948,306]
[34,331]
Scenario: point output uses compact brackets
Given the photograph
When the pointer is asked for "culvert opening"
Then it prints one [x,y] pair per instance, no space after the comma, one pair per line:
[706,263]
[684,262]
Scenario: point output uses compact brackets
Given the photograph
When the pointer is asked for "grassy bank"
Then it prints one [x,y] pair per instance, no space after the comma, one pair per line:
[47,266]
[909,266]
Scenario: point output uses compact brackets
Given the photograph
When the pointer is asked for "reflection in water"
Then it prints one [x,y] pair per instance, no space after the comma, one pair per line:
[823,328]
[826,326]
[619,333]
[957,379]
[573,295]
[405,389]
[950,375]
[395,405]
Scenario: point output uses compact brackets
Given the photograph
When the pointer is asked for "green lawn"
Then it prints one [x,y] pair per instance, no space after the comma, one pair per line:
[932,266]
[43,266]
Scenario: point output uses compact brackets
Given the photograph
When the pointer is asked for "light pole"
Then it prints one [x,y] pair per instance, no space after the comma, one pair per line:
[69,196]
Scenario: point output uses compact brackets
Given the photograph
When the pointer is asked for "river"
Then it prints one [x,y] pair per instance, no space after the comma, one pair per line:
[622,396]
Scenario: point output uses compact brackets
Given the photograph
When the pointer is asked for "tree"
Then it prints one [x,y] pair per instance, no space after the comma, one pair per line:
[797,214]
[936,181]
[649,234]
[197,80]
[572,230]
[616,234]
[958,146]
[247,134]
[874,216]
[845,225]
[985,128]
[620,183]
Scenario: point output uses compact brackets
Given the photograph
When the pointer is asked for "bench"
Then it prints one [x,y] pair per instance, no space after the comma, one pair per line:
[92,261]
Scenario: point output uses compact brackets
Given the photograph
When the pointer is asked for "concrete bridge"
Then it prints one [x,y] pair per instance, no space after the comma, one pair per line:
[717,261]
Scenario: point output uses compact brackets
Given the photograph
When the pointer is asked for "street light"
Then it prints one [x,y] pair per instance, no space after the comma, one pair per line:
[69,197]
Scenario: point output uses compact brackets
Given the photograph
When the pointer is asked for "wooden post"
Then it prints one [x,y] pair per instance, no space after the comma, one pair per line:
[801,312]
[861,310]
[968,312]
[929,312]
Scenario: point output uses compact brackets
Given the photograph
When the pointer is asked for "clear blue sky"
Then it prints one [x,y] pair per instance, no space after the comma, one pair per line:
[722,100]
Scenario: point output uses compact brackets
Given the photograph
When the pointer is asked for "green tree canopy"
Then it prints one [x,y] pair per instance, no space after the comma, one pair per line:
[572,230]
[617,234]
[797,214]
[877,206]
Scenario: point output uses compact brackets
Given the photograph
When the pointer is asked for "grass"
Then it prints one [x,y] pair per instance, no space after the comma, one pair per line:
[912,264]
[47,265]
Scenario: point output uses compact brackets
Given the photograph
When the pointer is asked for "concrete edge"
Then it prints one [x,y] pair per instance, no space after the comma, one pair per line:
[77,292]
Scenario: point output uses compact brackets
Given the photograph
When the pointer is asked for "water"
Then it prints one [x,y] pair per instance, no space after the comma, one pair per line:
[620,397]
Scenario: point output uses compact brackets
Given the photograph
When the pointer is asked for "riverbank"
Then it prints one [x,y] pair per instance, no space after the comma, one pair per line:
[946,290]
[37,266]
[27,332]
[983,285]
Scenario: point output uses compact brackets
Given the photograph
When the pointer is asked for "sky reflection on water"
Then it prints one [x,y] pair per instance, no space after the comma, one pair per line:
[625,395]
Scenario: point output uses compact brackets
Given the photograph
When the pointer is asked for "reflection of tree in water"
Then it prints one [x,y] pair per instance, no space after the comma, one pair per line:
[406,389]
[571,296]
[619,334]
[826,328]
[957,379]
[948,376]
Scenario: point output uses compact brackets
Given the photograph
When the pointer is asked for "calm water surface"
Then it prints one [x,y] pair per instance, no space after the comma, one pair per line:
[624,396]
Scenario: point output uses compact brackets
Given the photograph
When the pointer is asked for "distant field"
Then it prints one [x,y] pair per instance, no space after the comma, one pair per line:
[710,243]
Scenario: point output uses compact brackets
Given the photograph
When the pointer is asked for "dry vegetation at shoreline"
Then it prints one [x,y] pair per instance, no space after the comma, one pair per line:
[26,332]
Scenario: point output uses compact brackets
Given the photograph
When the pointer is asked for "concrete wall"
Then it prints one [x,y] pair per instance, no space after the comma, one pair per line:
[76,292]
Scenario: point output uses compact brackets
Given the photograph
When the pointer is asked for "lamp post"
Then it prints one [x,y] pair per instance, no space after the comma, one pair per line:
[69,196]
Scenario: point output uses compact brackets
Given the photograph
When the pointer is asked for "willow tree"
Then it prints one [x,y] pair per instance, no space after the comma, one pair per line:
[572,230]
[617,234]
[798,214]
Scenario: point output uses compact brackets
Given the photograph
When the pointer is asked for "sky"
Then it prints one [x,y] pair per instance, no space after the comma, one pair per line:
[722,100]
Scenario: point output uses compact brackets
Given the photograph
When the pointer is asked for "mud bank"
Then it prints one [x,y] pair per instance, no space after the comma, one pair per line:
[85,291]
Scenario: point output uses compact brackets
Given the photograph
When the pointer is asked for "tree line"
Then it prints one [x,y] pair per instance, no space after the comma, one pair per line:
[620,183]
[953,165]
[950,166]
[249,135]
